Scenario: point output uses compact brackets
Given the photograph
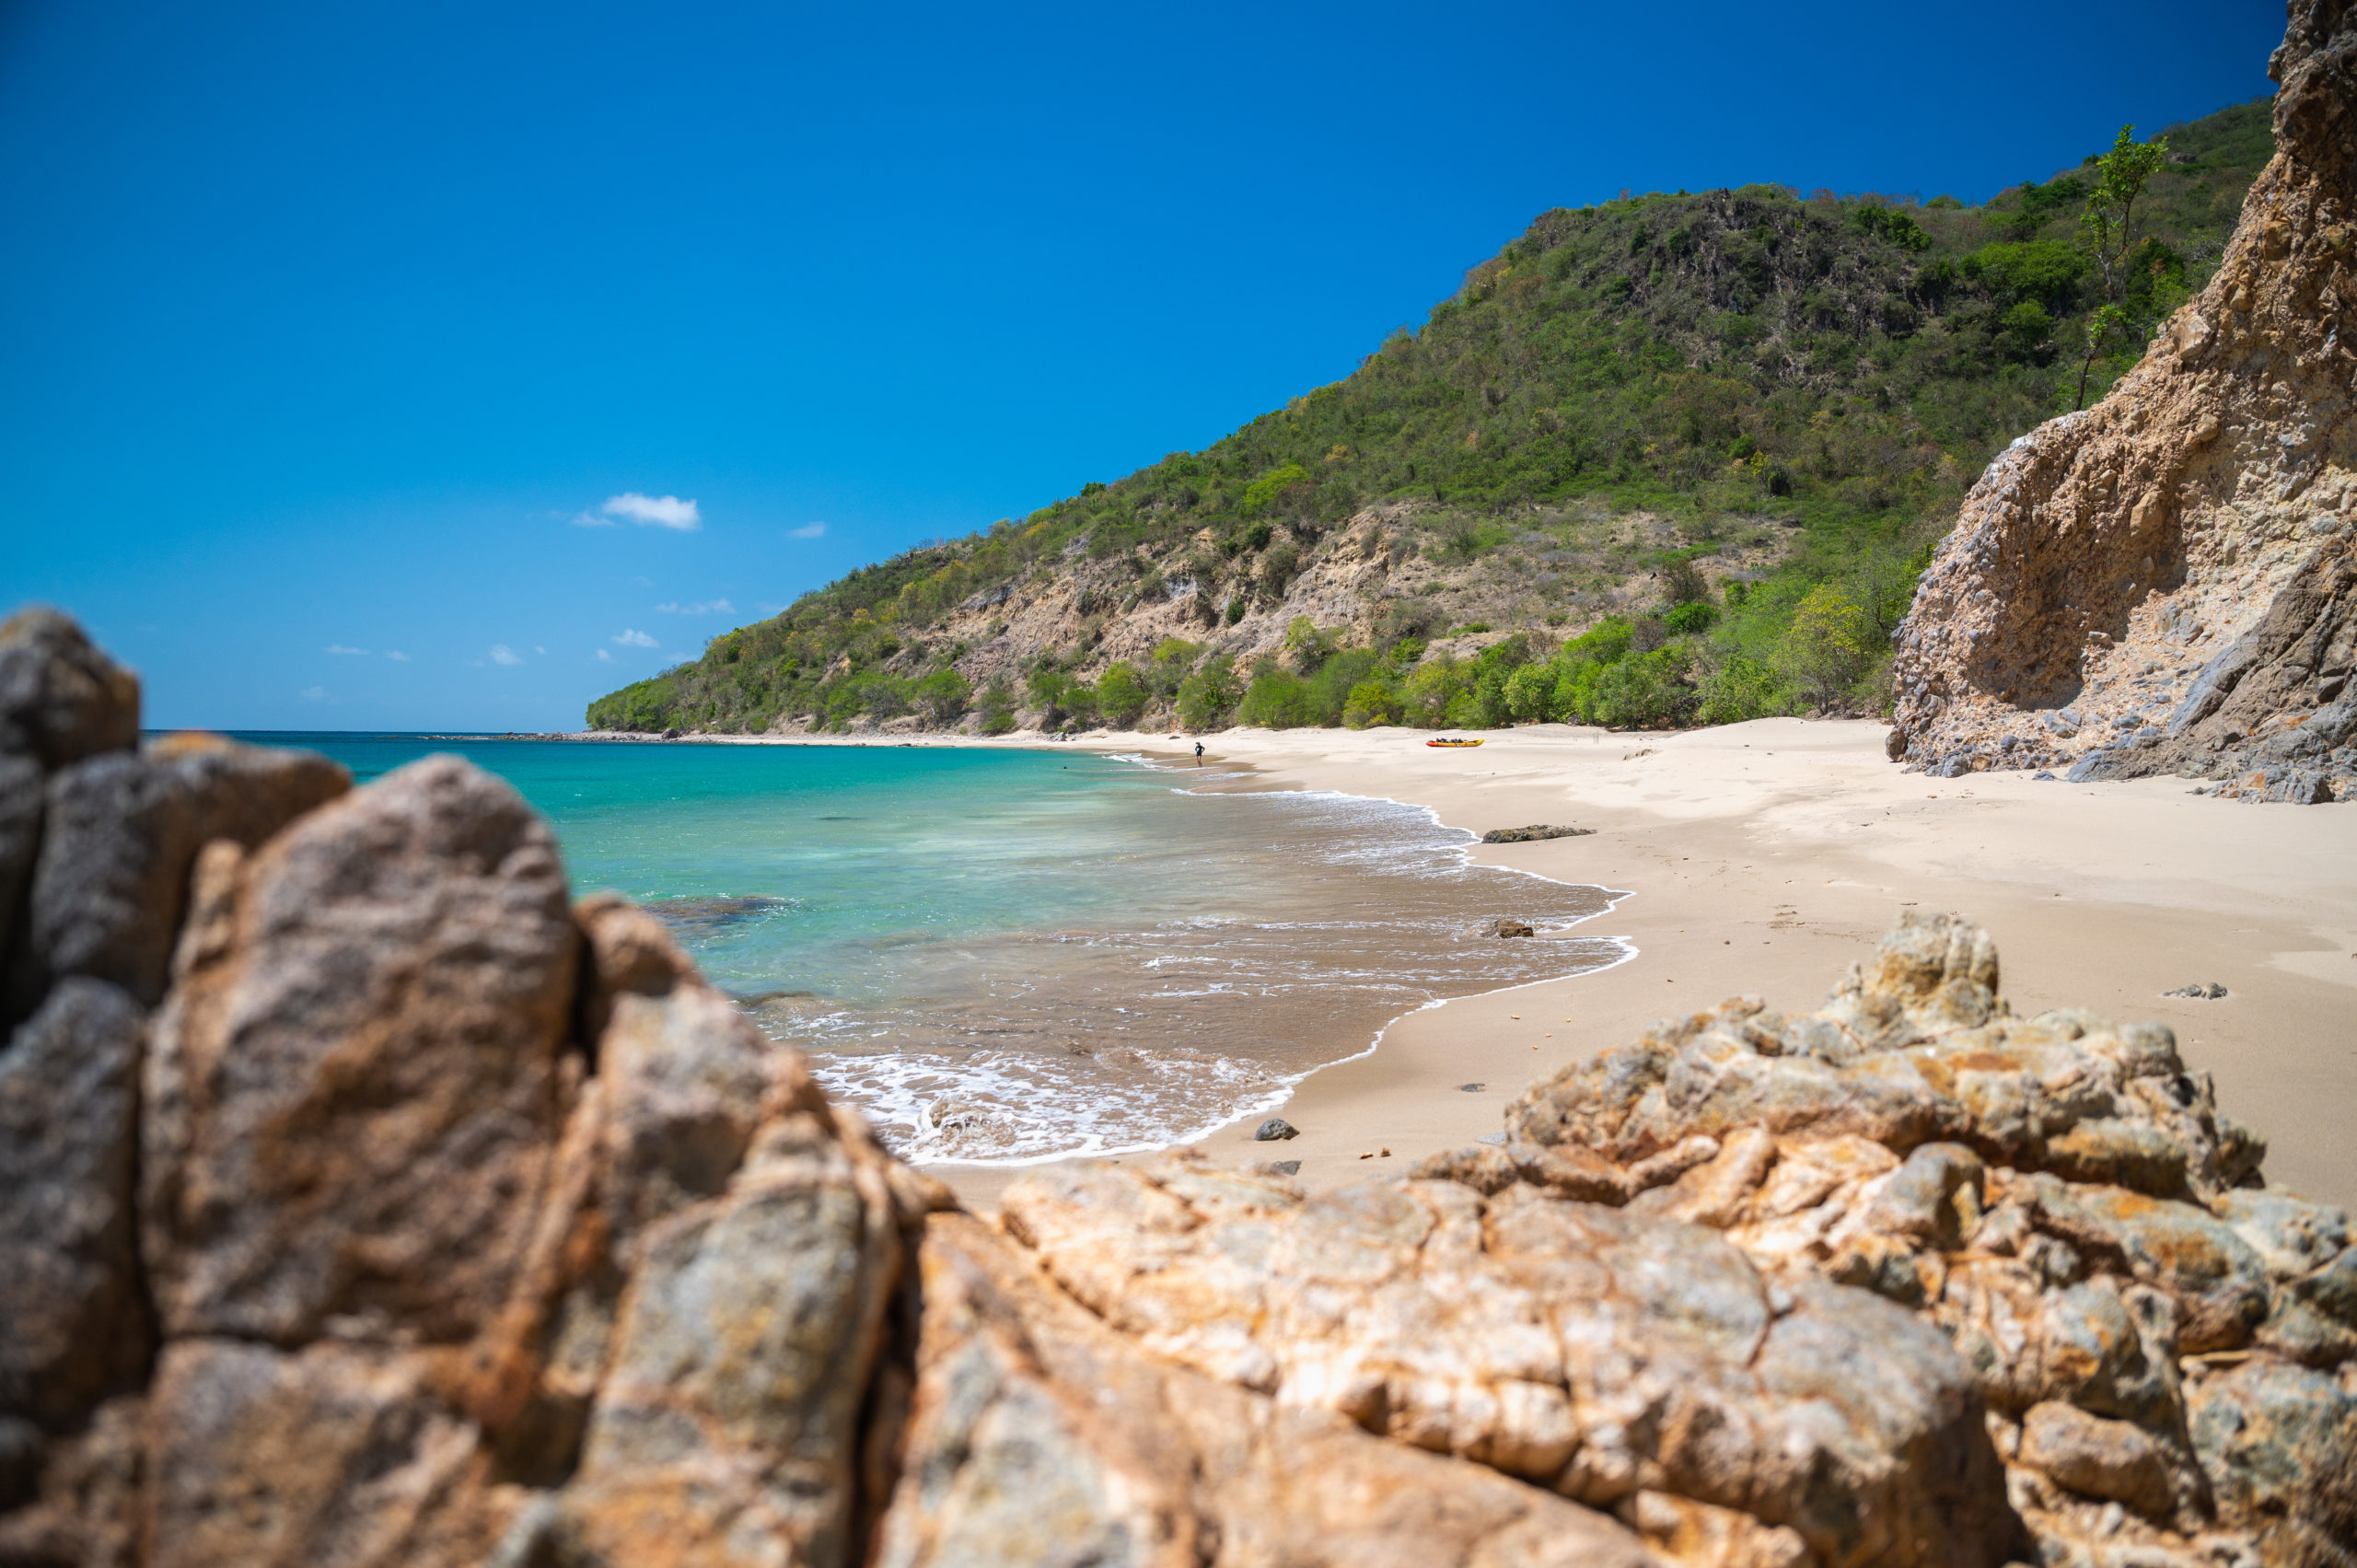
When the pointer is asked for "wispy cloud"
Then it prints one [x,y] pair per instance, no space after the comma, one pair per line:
[397,656]
[654,511]
[807,531]
[702,606]
[631,639]
[605,657]
[539,650]
[502,654]
[339,648]
[314,694]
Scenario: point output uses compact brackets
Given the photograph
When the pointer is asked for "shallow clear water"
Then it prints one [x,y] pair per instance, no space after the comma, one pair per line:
[1005,955]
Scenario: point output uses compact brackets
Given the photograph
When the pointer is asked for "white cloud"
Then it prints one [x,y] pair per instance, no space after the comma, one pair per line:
[397,656]
[807,531]
[590,520]
[631,639]
[605,657]
[712,607]
[339,648]
[502,654]
[314,694]
[654,511]
[542,651]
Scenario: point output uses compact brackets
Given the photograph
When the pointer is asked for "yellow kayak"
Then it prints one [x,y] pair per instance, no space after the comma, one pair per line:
[1452,743]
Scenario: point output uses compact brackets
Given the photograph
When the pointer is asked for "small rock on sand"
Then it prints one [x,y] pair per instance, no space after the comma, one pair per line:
[1275,1129]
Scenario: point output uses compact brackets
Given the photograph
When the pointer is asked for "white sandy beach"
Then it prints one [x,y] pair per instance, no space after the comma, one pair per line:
[1764,857]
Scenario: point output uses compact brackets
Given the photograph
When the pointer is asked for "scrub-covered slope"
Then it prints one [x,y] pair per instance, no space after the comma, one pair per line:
[1791,393]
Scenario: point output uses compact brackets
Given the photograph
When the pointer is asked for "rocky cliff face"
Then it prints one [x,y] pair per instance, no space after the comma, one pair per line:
[2167,582]
[428,1216]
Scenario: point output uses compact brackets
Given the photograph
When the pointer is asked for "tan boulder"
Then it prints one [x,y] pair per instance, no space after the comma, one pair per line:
[121,831]
[1592,1351]
[1040,1435]
[355,1093]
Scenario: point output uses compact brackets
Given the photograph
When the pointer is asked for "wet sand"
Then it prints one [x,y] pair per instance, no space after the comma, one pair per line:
[1765,857]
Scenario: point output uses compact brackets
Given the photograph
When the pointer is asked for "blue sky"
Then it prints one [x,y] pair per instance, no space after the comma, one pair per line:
[331,334]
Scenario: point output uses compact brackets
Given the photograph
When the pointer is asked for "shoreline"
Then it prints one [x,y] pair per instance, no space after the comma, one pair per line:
[1237,777]
[1763,858]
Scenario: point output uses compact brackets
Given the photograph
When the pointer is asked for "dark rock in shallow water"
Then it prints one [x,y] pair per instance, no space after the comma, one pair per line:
[1505,926]
[696,919]
[1537,830]
[1274,1130]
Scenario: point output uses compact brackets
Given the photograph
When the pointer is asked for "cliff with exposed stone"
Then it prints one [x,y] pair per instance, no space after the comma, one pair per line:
[2167,582]
[366,1198]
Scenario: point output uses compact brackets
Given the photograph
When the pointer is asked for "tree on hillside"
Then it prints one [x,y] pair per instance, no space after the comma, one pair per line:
[2106,228]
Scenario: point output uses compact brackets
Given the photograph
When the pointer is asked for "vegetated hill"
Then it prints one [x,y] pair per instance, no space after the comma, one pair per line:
[1707,437]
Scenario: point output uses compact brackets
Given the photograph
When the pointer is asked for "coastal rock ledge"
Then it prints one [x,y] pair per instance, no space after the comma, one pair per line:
[414,1213]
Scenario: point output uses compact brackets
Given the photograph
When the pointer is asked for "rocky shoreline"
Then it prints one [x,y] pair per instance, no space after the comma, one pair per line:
[370,1202]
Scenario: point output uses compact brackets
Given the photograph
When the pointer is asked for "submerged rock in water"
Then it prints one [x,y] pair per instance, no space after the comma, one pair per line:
[697,919]
[1507,926]
[434,1220]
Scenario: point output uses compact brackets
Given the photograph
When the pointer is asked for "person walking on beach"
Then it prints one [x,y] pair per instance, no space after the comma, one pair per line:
[1198,753]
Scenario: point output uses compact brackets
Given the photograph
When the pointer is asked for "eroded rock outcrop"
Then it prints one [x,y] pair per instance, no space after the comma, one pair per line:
[2167,1350]
[2165,583]
[434,1218]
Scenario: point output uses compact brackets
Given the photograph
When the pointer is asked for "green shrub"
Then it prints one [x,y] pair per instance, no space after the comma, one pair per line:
[1530,693]
[1207,697]
[1436,682]
[1121,696]
[1267,487]
[1644,691]
[1739,689]
[1694,615]
[1371,702]
[1168,666]
[1277,699]
[998,707]
[942,696]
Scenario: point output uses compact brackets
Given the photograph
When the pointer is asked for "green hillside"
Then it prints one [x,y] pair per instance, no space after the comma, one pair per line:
[1817,376]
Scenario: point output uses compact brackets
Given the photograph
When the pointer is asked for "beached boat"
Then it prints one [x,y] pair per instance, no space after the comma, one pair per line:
[1446,740]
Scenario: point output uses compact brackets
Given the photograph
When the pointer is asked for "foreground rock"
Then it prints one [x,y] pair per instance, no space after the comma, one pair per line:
[434,1218]
[2165,583]
[1531,834]
[2167,1350]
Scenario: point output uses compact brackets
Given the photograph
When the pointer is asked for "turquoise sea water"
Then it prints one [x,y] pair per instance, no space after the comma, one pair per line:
[1007,955]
